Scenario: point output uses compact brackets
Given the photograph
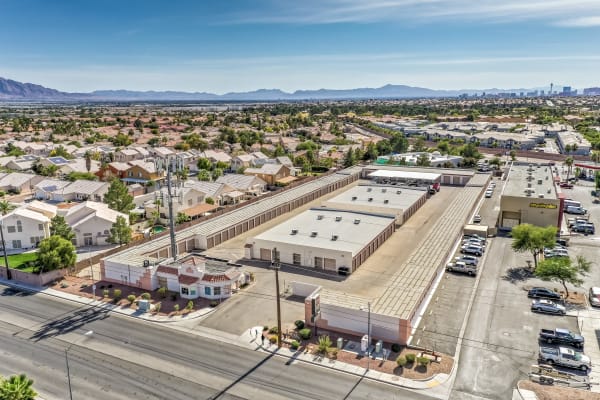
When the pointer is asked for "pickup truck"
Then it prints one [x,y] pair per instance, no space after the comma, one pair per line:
[561,336]
[460,266]
[565,357]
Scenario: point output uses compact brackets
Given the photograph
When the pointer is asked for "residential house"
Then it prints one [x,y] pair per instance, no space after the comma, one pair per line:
[23,163]
[216,156]
[185,200]
[45,189]
[128,154]
[53,161]
[79,165]
[18,182]
[79,190]
[25,227]
[142,172]
[113,170]
[250,185]
[271,173]
[242,161]
[91,222]
[221,194]
[162,152]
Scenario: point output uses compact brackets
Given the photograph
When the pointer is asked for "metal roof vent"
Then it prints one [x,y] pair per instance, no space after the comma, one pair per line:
[334,237]
[386,201]
[549,191]
[383,190]
[146,263]
[294,231]
[398,191]
[540,181]
[370,199]
[356,221]
[529,185]
[313,234]
[338,218]
[353,198]
[369,189]
[541,195]
[319,217]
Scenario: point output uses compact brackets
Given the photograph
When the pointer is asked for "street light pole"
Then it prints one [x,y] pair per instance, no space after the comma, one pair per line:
[87,334]
[8,273]
[276,266]
[369,335]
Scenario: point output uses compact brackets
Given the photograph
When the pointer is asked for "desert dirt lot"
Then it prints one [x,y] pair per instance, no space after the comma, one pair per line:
[256,304]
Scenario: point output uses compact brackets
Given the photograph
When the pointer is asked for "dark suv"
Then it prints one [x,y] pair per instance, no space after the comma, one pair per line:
[543,293]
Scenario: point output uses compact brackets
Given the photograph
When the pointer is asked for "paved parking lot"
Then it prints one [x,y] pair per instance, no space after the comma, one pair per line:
[256,304]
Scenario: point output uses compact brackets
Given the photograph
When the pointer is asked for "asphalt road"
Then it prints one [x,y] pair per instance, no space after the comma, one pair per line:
[126,358]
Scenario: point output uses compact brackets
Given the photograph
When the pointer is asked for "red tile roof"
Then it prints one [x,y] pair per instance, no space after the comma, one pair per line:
[215,278]
[167,270]
[187,280]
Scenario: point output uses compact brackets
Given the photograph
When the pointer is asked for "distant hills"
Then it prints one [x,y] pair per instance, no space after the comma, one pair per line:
[17,91]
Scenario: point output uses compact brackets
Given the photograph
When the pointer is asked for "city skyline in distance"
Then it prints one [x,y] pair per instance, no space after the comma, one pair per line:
[332,44]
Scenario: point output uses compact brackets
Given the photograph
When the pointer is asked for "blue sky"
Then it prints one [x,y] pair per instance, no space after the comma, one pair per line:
[241,45]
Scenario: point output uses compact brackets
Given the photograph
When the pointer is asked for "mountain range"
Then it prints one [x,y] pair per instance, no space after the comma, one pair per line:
[11,90]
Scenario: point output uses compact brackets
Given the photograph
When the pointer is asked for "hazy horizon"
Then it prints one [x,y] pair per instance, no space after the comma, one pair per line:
[333,44]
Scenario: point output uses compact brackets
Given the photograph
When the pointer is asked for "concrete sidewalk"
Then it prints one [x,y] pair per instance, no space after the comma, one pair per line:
[589,323]
[250,339]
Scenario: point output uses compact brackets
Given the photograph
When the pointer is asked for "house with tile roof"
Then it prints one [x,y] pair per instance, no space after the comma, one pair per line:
[271,173]
[91,222]
[26,226]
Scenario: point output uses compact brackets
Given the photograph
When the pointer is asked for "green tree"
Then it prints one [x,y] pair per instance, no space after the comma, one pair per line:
[55,252]
[216,173]
[563,270]
[527,237]
[76,176]
[17,387]
[204,163]
[513,155]
[203,175]
[495,161]
[12,150]
[423,160]
[60,151]
[349,159]
[6,207]
[181,218]
[118,198]
[569,164]
[209,200]
[419,145]
[120,232]
[88,161]
[59,227]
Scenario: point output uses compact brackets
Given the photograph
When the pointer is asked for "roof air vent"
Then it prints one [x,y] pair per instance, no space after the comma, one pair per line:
[334,237]
[529,185]
[353,198]
[386,201]
[369,189]
[383,190]
[539,181]
[356,221]
[370,199]
[398,191]
[313,234]
[338,218]
[541,195]
[319,217]
[294,231]
[146,263]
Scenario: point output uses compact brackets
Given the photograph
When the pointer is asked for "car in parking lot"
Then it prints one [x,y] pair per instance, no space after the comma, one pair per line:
[566,185]
[576,210]
[561,336]
[461,267]
[474,236]
[565,357]
[543,293]
[469,260]
[474,242]
[477,219]
[472,249]
[572,222]
[547,306]
[594,296]
[586,228]
[488,193]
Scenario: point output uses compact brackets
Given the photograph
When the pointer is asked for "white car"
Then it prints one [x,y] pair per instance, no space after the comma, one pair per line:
[477,219]
[488,193]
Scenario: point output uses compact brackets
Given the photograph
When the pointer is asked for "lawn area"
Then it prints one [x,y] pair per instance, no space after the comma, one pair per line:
[16,261]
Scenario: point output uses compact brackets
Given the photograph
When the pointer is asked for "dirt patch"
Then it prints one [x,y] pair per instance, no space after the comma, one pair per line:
[552,392]
[106,292]
[389,366]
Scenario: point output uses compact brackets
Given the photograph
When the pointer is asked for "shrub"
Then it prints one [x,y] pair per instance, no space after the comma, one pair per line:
[334,352]
[157,307]
[146,296]
[305,333]
[273,330]
[324,343]
[131,299]
[273,339]
[176,307]
[294,345]
[174,297]
[190,305]
[214,303]
[423,361]
[299,324]
[410,358]
[162,291]
[64,285]
[117,294]
[396,348]
[105,292]
[265,328]
[401,361]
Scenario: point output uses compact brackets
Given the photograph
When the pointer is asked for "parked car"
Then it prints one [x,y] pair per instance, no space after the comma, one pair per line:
[586,228]
[565,357]
[561,336]
[470,249]
[541,292]
[461,267]
[469,260]
[488,193]
[576,210]
[475,236]
[474,242]
[477,219]
[547,306]
[572,222]
[566,185]
[594,296]
[563,242]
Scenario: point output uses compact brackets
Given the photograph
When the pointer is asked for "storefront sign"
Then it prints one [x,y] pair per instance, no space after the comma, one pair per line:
[543,205]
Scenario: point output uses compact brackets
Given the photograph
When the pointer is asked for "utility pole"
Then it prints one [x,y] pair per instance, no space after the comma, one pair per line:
[276,265]
[369,335]
[170,165]
[92,276]
[8,273]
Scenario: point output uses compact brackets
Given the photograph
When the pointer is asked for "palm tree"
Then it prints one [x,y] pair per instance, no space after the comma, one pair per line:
[88,160]
[17,387]
[569,164]
[5,207]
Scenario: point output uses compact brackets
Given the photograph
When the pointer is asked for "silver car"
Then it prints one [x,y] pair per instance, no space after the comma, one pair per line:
[547,306]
